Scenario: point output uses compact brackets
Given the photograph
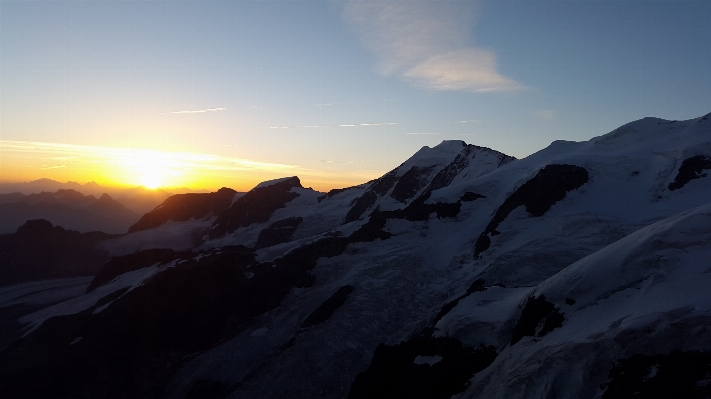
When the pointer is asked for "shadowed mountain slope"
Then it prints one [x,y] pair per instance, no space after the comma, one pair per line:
[592,284]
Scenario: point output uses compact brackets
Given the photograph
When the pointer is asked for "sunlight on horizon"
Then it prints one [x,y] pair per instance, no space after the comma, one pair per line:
[134,166]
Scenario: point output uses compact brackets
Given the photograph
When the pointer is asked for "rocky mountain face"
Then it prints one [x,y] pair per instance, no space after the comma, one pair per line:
[183,207]
[579,271]
[67,208]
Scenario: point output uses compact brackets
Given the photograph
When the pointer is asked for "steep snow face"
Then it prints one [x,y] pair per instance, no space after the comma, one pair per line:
[629,172]
[178,236]
[43,291]
[450,162]
[281,180]
[645,294]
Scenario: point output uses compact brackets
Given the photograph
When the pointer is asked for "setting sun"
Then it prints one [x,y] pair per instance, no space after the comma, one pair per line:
[151,179]
[149,168]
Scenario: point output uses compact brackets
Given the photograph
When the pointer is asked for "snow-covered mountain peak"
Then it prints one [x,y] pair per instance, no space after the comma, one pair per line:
[655,134]
[451,146]
[441,154]
[292,181]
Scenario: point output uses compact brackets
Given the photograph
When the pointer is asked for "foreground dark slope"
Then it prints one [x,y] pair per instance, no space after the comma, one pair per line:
[592,276]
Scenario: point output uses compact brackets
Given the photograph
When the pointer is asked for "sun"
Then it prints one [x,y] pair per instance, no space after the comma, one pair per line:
[148,168]
[152,179]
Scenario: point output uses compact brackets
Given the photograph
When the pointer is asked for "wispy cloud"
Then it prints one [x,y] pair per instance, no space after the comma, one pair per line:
[199,111]
[356,102]
[545,114]
[428,44]
[322,126]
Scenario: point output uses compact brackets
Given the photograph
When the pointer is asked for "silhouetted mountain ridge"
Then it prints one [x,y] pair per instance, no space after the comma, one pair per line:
[39,250]
[65,207]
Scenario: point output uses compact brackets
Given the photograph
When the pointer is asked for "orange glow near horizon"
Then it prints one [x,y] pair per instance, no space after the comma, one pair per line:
[130,167]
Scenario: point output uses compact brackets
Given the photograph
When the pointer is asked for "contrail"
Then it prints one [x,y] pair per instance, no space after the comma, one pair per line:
[199,111]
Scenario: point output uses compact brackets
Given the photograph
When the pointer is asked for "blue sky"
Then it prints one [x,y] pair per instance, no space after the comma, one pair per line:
[336,92]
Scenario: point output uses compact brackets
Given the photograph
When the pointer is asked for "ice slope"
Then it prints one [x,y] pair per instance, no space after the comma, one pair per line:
[44,291]
[644,294]
[124,283]
[629,171]
[179,236]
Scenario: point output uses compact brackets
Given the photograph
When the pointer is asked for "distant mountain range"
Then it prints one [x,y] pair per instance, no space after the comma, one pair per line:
[40,251]
[137,199]
[580,271]
[67,208]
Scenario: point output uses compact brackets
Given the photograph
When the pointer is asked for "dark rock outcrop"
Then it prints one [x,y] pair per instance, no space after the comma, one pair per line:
[377,189]
[674,375]
[333,192]
[182,207]
[326,309]
[690,169]
[410,183]
[278,232]
[256,206]
[550,185]
[395,371]
[538,318]
[123,264]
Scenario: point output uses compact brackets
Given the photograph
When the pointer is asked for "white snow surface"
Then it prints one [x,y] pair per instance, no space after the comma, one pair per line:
[178,236]
[318,217]
[44,291]
[647,293]
[78,304]
[272,182]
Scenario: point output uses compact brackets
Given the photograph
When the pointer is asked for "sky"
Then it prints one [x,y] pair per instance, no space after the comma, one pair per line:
[205,94]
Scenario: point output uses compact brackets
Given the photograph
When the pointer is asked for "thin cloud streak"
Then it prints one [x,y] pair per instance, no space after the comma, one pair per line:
[547,115]
[323,126]
[427,44]
[199,111]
